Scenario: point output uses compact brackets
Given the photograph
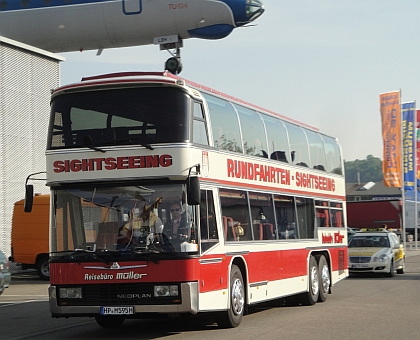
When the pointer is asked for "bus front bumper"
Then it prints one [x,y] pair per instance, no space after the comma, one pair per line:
[189,304]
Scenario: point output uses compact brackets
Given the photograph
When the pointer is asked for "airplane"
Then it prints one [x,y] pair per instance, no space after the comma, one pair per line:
[77,25]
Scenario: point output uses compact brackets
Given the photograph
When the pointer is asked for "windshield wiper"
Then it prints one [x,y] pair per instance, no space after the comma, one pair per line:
[87,146]
[137,255]
[81,254]
[118,141]
[147,146]
[95,148]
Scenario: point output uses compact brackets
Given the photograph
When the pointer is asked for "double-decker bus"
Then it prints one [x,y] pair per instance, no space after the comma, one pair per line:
[170,198]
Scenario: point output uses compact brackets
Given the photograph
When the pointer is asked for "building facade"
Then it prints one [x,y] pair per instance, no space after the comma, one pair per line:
[27,75]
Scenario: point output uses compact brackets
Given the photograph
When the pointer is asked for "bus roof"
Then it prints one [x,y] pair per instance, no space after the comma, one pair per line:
[167,77]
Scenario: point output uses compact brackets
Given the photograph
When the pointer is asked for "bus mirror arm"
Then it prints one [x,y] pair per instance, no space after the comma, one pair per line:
[193,186]
[29,198]
[29,191]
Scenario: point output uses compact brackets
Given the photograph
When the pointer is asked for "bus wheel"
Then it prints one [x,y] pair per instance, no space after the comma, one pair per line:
[311,296]
[43,267]
[233,316]
[324,279]
[109,321]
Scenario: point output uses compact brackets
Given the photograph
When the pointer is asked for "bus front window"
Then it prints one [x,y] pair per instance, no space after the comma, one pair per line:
[141,219]
[127,116]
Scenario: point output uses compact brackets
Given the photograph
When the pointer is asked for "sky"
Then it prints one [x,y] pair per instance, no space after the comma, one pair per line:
[320,62]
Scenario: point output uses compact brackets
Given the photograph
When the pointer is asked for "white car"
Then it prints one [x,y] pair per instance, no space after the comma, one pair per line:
[5,276]
[376,251]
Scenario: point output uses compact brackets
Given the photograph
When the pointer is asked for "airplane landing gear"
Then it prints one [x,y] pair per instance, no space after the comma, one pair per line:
[173,64]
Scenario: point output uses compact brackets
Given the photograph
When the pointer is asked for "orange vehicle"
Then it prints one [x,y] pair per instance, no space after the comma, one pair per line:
[30,238]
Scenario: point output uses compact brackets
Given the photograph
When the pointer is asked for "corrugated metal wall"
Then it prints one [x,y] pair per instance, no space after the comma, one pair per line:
[26,78]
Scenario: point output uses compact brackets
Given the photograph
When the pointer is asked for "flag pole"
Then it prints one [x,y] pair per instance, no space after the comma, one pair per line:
[402,174]
[416,215]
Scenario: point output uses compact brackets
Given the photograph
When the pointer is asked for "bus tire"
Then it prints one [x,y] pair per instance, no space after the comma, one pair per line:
[311,296]
[109,321]
[233,316]
[43,267]
[324,279]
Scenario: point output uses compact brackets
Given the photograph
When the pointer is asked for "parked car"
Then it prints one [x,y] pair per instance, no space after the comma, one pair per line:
[350,233]
[376,251]
[5,276]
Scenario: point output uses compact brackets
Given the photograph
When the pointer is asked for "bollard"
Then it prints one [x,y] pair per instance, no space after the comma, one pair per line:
[410,240]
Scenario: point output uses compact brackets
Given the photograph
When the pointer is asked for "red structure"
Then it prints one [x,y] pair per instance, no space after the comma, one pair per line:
[363,214]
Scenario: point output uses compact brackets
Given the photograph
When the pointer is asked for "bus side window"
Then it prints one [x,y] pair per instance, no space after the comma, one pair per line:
[224,116]
[333,156]
[208,229]
[317,150]
[278,141]
[298,145]
[253,132]
[285,210]
[262,214]
[236,226]
[305,209]
[199,125]
[336,215]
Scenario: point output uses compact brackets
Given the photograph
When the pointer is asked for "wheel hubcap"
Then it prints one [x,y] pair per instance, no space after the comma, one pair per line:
[325,279]
[237,297]
[46,269]
[314,281]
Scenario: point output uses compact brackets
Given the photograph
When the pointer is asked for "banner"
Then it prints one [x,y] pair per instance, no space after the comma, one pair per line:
[418,146]
[409,144]
[391,134]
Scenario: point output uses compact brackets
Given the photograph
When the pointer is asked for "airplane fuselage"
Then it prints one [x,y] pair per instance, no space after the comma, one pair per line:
[71,25]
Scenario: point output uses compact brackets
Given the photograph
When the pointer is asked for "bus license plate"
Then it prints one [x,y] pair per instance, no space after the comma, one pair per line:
[117,310]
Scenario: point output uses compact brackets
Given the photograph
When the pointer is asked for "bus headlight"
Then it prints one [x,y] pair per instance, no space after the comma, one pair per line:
[70,293]
[165,290]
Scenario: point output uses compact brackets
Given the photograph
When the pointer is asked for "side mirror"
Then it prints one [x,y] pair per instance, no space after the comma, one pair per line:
[29,198]
[193,190]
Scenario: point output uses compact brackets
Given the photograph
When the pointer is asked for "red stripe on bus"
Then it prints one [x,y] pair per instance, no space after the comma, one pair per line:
[277,190]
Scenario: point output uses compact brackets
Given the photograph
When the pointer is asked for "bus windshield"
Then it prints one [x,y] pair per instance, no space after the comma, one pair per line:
[129,116]
[149,219]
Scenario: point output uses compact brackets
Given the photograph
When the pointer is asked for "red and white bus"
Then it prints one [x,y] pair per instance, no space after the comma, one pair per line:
[260,198]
